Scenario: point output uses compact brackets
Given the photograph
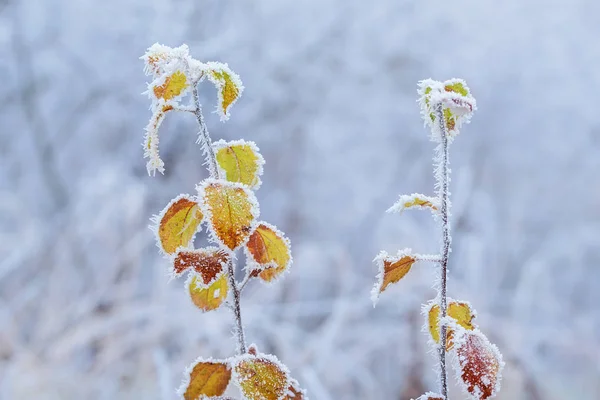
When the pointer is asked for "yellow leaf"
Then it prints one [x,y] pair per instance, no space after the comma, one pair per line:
[229,86]
[239,161]
[478,363]
[207,299]
[415,200]
[206,378]
[261,377]
[391,270]
[231,210]
[178,223]
[458,310]
[209,263]
[270,249]
[173,86]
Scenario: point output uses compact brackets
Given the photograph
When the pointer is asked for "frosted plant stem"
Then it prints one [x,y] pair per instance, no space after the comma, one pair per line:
[443,193]
[204,139]
[237,312]
[211,162]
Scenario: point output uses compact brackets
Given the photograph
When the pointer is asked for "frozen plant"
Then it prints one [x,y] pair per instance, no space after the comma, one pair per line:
[227,206]
[478,364]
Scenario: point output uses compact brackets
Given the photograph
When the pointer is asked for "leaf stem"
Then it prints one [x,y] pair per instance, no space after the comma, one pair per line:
[211,163]
[444,180]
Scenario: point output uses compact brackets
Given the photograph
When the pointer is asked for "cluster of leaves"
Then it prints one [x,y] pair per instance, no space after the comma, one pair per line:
[477,362]
[226,205]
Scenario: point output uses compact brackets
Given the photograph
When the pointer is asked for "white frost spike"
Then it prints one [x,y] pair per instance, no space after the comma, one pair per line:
[415,200]
[430,396]
[158,56]
[212,71]
[477,362]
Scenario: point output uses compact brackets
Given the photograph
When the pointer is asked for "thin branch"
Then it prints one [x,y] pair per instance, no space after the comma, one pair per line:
[443,171]
[237,312]
[204,137]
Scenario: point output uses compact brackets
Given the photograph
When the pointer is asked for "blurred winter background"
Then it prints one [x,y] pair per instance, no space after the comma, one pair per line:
[85,307]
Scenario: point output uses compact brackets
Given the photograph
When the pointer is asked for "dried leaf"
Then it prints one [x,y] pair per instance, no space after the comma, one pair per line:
[209,263]
[269,251]
[207,299]
[414,200]
[239,161]
[261,377]
[158,56]
[231,210]
[229,86]
[177,223]
[431,396]
[174,85]
[478,364]
[391,270]
[460,311]
[206,378]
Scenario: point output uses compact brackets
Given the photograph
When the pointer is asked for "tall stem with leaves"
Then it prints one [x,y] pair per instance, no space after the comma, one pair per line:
[445,107]
[227,206]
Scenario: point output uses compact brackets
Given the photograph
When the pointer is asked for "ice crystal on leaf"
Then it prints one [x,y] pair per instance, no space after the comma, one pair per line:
[159,56]
[478,364]
[431,396]
[229,86]
[205,378]
[416,201]
[295,392]
[261,377]
[391,270]
[239,161]
[177,223]
[231,211]
[269,251]
[457,105]
[209,263]
[460,311]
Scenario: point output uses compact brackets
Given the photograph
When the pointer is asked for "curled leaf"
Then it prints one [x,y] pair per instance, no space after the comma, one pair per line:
[460,311]
[207,299]
[177,223]
[229,86]
[391,270]
[239,161]
[415,200]
[173,86]
[151,141]
[231,210]
[209,263]
[478,364]
[269,251]
[261,377]
[205,378]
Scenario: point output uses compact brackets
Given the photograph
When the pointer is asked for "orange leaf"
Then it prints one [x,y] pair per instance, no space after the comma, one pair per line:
[208,263]
[460,311]
[207,299]
[178,223]
[478,363]
[231,210]
[206,378]
[391,270]
[261,377]
[269,249]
